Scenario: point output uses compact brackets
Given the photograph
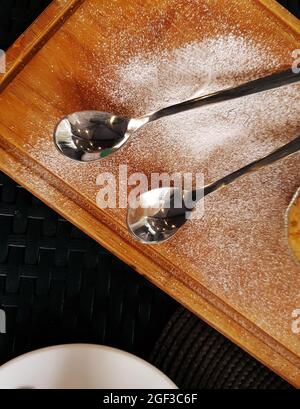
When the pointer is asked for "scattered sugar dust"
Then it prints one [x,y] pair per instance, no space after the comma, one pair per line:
[203,138]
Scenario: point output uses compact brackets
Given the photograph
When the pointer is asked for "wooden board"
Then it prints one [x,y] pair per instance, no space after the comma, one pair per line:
[64,63]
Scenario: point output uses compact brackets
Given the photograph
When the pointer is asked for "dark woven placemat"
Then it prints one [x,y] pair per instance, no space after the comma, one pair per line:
[195,356]
[59,286]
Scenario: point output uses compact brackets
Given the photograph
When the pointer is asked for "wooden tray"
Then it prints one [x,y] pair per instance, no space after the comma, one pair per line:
[57,66]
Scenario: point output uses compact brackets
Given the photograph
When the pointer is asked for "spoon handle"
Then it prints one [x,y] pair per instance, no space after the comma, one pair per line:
[284,151]
[252,87]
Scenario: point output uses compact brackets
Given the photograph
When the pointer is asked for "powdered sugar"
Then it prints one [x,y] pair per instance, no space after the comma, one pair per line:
[147,83]
[157,80]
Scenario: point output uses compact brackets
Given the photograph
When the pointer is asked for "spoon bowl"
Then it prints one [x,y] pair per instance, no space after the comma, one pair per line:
[87,136]
[157,214]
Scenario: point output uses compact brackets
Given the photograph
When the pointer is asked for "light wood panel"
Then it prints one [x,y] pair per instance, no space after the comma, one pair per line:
[45,80]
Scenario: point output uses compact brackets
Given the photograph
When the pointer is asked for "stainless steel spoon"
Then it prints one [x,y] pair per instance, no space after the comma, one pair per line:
[87,136]
[159,213]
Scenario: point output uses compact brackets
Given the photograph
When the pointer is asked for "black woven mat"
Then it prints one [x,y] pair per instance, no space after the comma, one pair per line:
[59,286]
[195,356]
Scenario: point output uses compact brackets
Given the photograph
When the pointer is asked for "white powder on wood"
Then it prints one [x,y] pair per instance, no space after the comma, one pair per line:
[198,138]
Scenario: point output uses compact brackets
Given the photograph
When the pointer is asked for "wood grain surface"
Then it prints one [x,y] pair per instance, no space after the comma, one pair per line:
[54,69]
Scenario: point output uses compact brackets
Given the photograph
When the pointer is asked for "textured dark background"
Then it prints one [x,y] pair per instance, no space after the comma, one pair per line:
[59,286]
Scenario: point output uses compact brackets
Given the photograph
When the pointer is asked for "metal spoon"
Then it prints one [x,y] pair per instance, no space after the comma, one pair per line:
[87,136]
[159,213]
